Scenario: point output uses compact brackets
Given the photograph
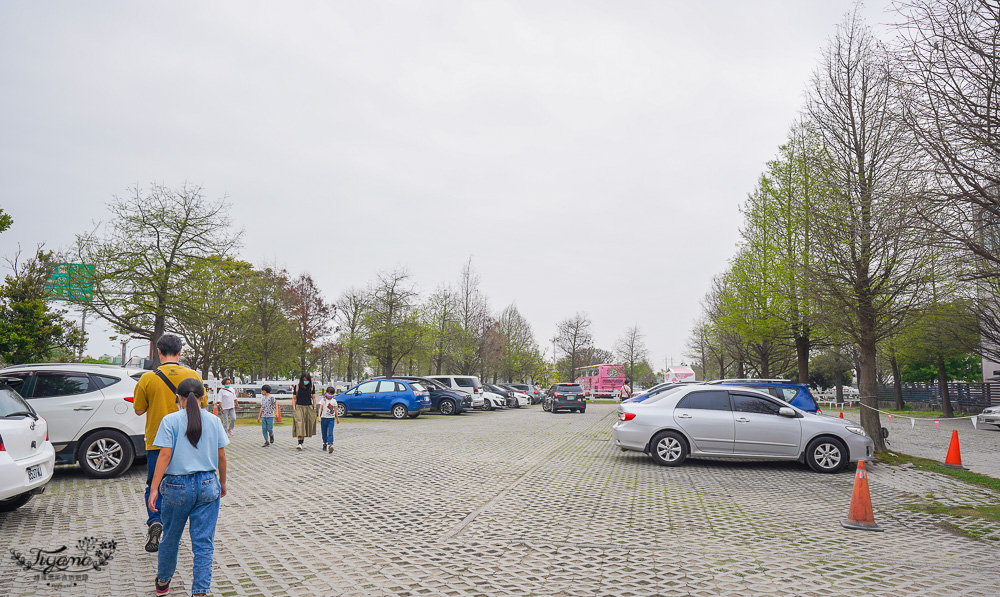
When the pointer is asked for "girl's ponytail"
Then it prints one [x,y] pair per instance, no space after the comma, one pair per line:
[194,391]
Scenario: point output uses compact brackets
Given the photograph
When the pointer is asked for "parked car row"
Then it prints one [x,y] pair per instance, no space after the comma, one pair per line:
[448,394]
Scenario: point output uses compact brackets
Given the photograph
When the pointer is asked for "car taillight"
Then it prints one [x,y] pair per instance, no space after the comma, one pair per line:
[557,395]
[624,416]
[130,399]
[2,449]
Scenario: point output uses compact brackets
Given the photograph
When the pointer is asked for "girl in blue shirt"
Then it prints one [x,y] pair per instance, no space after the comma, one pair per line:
[192,449]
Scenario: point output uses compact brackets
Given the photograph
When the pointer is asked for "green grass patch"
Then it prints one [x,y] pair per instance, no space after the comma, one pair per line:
[985,512]
[937,467]
[988,514]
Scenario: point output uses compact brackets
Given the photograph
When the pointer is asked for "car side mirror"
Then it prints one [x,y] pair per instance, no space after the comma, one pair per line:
[786,412]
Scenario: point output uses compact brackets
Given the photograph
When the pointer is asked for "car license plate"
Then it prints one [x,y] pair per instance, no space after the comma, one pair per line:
[34,472]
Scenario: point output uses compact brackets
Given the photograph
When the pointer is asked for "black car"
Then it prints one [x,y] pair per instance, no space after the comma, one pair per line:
[566,396]
[443,399]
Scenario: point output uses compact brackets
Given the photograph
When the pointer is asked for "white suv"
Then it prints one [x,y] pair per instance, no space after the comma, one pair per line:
[466,384]
[89,412]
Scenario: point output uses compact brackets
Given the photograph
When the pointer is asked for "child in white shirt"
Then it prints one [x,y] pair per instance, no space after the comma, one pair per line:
[328,417]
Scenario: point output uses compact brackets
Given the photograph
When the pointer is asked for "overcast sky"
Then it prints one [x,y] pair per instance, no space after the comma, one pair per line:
[588,156]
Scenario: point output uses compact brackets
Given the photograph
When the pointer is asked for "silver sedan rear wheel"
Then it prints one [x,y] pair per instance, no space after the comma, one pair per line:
[669,449]
[826,455]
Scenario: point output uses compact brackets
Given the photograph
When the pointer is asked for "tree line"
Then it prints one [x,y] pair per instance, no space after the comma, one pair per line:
[870,241]
[168,260]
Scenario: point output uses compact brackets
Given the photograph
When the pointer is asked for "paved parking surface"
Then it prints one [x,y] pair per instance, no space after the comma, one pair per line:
[519,502]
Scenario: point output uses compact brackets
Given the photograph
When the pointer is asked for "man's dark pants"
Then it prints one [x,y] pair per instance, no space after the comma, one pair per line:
[151,456]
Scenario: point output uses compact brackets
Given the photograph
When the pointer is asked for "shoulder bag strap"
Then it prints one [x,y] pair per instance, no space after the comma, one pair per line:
[170,385]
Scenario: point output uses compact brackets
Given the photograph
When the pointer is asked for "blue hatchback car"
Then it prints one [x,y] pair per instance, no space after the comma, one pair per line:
[399,397]
[796,394]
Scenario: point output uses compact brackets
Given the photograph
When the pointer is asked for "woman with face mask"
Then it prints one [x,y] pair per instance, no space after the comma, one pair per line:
[304,417]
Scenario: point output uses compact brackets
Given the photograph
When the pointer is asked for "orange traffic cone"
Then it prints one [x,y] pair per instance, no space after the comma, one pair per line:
[215,409]
[841,415]
[860,516]
[954,457]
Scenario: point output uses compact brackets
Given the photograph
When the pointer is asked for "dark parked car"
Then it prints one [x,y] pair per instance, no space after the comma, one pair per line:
[566,396]
[443,399]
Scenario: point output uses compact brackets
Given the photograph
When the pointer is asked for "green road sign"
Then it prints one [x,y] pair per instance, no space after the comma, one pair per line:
[71,282]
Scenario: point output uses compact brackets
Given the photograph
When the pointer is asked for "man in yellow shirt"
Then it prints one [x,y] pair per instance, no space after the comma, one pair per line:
[155,395]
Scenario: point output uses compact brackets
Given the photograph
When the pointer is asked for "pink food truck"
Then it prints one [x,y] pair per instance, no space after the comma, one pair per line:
[602,381]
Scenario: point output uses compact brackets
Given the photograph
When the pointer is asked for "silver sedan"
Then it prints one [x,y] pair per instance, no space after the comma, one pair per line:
[709,421]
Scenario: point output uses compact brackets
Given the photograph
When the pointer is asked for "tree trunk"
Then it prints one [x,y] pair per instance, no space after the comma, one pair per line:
[765,363]
[802,357]
[350,365]
[943,384]
[159,326]
[868,387]
[897,382]
[838,384]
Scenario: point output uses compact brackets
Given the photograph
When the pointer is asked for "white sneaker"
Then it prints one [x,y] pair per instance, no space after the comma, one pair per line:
[298,447]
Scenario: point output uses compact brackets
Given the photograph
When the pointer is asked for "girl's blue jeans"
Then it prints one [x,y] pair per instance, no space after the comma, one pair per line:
[327,429]
[267,426]
[194,497]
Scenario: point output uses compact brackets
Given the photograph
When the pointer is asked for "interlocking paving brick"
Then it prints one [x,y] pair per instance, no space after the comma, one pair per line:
[518,502]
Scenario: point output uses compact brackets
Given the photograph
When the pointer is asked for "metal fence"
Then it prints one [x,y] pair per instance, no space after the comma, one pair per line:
[967,396]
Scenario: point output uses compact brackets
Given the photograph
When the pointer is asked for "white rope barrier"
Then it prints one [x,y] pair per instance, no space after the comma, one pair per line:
[913,420]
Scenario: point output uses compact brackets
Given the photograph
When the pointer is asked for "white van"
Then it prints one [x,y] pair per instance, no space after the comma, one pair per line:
[466,384]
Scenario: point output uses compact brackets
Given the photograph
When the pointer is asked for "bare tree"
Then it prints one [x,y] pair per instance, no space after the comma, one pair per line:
[392,331]
[950,57]
[440,313]
[868,267]
[310,313]
[631,349]
[350,314]
[519,349]
[144,251]
[473,316]
[573,335]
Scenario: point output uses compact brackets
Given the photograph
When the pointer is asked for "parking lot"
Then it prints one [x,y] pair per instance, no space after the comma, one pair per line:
[520,502]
